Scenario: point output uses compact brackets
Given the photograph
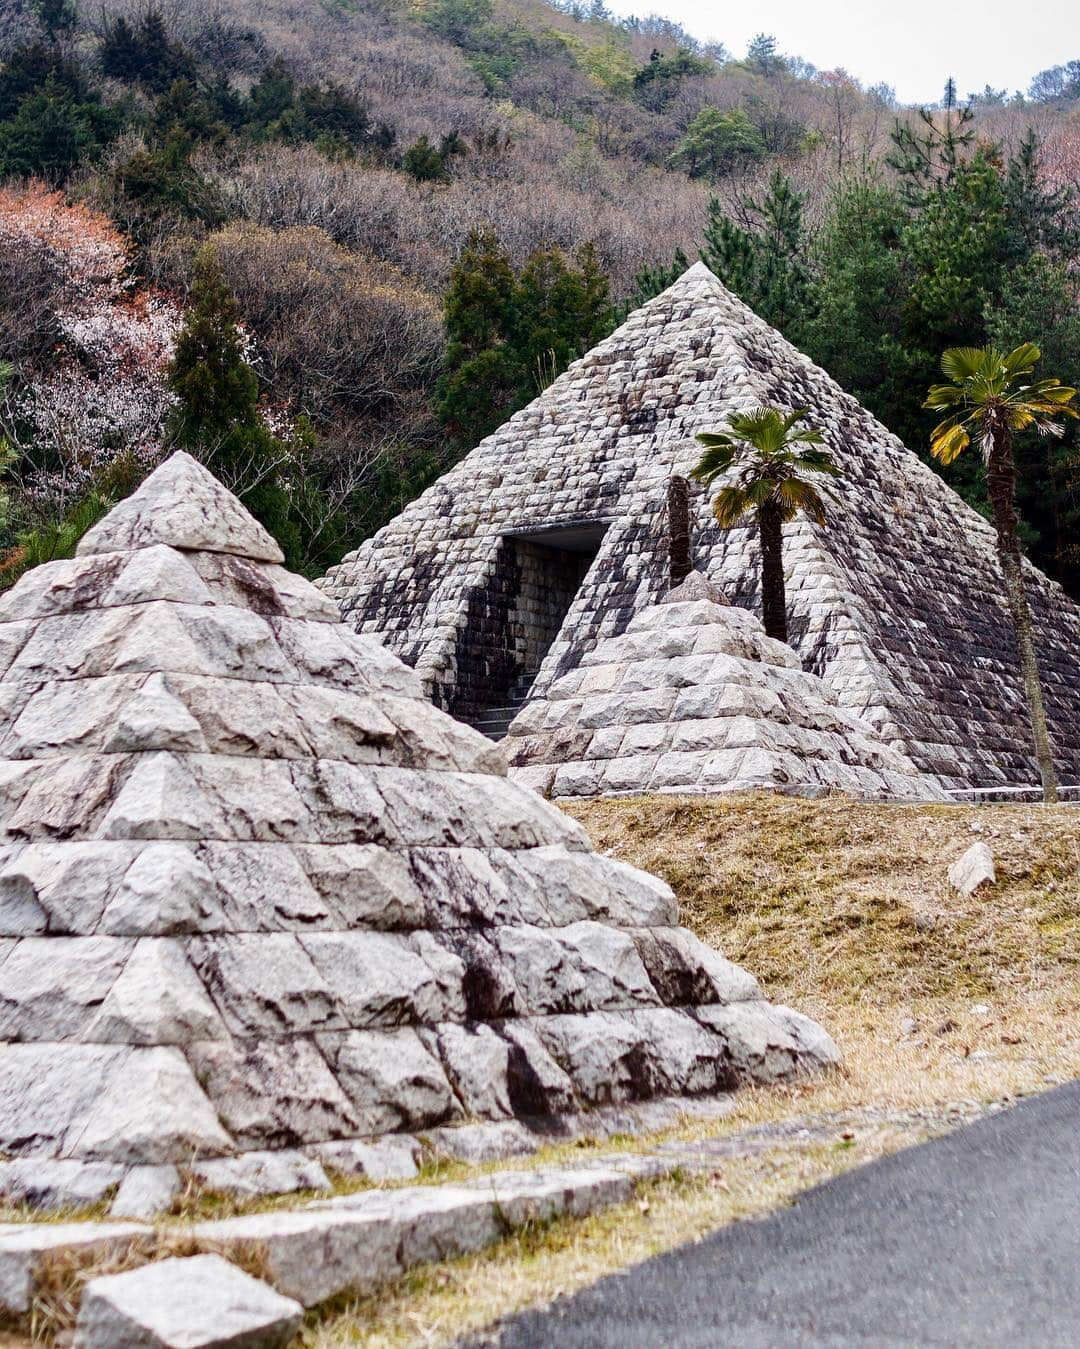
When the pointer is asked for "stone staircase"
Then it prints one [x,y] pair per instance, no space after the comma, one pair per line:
[494,722]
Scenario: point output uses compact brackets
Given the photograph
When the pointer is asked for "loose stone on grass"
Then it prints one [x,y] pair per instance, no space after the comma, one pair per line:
[201,1302]
[974,869]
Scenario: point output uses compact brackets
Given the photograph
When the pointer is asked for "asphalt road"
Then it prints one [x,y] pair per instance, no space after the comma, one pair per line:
[973,1239]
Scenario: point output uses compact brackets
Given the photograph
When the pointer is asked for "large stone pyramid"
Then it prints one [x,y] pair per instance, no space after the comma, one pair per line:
[257,894]
[694,697]
[551,535]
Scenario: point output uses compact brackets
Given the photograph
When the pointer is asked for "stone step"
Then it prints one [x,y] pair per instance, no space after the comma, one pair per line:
[350,1243]
[356,1242]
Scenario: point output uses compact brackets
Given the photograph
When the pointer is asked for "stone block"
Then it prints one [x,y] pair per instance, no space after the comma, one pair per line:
[476,1061]
[183,506]
[602,888]
[266,983]
[51,986]
[581,966]
[166,889]
[604,1054]
[145,1192]
[766,1044]
[62,886]
[489,1142]
[683,970]
[392,1157]
[974,869]
[391,1080]
[48,1183]
[260,1173]
[273,1093]
[548,1192]
[199,1302]
[23,1247]
[157,999]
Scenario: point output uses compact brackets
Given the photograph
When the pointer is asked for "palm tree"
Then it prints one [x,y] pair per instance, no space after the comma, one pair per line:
[990,396]
[772,459]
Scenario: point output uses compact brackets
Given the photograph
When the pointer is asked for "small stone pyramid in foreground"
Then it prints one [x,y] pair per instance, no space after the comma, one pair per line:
[256,894]
[694,697]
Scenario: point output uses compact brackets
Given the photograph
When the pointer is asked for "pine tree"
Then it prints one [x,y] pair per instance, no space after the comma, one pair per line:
[217,414]
[481,372]
[508,337]
[930,153]
[650,281]
[764,267]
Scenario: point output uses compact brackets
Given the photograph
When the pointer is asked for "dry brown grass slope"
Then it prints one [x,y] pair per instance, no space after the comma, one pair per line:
[844,910]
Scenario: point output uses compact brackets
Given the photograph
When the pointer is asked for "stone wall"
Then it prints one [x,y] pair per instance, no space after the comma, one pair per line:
[898,603]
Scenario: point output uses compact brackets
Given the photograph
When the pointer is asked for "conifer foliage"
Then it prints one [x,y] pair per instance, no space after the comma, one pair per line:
[510,334]
[217,415]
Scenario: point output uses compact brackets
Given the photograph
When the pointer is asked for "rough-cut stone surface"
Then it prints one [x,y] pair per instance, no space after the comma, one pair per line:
[392,1157]
[49,1184]
[261,906]
[973,869]
[23,1247]
[744,716]
[356,1242]
[898,603]
[201,1302]
[145,1192]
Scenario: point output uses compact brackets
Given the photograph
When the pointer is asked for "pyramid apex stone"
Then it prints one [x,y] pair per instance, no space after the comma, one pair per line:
[694,586]
[183,505]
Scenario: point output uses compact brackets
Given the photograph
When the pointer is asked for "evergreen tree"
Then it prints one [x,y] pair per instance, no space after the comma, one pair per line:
[423,162]
[717,142]
[481,371]
[857,294]
[650,281]
[217,415]
[57,17]
[930,153]
[762,55]
[508,337]
[51,133]
[766,268]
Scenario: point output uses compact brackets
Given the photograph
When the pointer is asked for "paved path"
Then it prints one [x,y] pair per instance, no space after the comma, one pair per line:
[972,1239]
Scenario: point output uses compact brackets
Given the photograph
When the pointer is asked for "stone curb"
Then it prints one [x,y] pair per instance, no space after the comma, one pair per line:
[349,1243]
[353,1243]
[23,1246]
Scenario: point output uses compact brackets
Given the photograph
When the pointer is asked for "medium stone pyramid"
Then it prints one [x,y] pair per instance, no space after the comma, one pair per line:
[694,697]
[257,895]
[551,535]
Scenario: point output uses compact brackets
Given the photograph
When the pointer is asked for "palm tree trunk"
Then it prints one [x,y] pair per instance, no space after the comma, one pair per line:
[680,557]
[773,596]
[1001,484]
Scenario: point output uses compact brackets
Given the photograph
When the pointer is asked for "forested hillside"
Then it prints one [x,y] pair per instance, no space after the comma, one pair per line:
[327,244]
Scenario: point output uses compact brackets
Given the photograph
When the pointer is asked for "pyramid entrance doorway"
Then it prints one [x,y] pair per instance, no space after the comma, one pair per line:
[514,617]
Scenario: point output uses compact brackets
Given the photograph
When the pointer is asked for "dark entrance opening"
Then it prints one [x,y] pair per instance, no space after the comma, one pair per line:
[515,617]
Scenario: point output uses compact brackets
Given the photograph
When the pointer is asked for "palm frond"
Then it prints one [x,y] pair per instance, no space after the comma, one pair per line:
[730,506]
[961,363]
[948,440]
[943,396]
[716,460]
[1021,360]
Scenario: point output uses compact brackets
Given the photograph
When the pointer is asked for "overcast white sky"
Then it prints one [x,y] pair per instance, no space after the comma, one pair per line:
[914,45]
